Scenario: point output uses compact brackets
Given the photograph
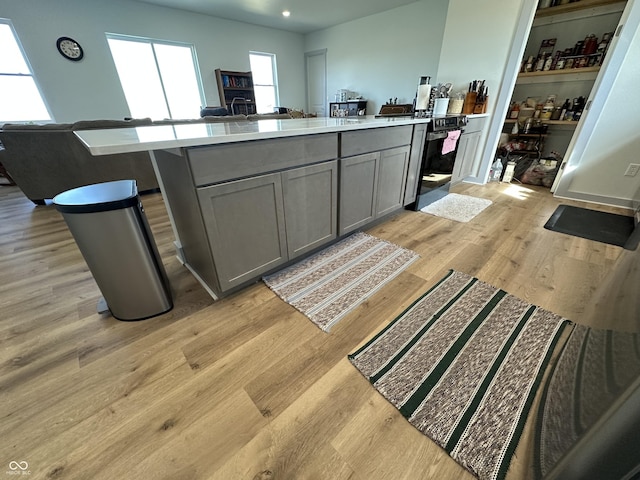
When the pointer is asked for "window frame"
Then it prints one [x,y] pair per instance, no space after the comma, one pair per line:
[9,23]
[274,76]
[151,42]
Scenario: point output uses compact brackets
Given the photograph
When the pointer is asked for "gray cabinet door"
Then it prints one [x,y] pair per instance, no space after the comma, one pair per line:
[465,164]
[415,162]
[392,176]
[244,220]
[310,206]
[358,186]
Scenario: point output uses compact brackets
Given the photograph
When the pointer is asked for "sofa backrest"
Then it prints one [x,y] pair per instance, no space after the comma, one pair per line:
[45,160]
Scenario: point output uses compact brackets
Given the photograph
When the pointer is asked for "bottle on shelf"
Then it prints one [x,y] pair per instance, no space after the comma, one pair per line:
[590,44]
[515,110]
[548,108]
[566,107]
[578,107]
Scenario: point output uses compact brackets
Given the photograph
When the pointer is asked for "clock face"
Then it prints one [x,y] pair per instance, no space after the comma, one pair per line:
[69,48]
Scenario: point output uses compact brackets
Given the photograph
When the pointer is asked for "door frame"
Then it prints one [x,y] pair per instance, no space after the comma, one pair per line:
[505,91]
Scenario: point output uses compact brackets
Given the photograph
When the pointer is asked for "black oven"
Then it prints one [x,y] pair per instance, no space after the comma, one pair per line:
[438,158]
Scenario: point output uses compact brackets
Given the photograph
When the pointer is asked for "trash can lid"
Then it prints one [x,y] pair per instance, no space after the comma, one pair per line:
[99,197]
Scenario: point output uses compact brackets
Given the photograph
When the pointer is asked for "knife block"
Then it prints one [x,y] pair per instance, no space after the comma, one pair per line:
[482,106]
[469,103]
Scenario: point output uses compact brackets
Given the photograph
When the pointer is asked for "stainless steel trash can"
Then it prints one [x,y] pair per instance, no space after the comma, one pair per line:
[109,225]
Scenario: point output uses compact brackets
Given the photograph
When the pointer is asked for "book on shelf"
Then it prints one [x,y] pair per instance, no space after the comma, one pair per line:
[231,81]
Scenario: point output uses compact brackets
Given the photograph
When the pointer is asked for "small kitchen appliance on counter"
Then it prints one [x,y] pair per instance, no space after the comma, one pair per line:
[424,105]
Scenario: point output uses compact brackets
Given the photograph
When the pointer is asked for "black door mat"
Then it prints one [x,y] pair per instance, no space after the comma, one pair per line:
[594,225]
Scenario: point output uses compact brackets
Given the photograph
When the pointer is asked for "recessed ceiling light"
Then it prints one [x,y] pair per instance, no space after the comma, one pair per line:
[286,13]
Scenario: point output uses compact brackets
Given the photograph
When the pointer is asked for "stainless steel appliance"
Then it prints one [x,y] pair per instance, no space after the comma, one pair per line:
[437,167]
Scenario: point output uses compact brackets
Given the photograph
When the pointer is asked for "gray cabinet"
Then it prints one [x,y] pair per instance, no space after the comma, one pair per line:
[371,185]
[358,187]
[392,176]
[310,206]
[415,162]
[258,223]
[244,220]
[468,156]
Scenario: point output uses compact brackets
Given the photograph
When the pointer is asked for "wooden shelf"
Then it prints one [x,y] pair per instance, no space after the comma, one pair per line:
[576,7]
[584,70]
[248,89]
[233,85]
[564,75]
[528,135]
[572,123]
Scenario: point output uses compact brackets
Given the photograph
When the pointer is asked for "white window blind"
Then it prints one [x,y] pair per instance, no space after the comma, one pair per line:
[265,84]
[20,97]
[160,79]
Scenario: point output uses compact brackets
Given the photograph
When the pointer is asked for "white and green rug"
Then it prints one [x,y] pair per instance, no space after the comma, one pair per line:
[331,283]
[463,364]
[461,208]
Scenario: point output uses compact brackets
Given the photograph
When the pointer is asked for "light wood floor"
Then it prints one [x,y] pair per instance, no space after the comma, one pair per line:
[247,387]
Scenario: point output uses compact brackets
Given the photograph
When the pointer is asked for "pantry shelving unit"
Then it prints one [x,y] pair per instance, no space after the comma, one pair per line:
[567,23]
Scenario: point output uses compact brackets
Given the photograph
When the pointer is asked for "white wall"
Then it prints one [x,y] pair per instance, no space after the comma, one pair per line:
[90,89]
[383,55]
[610,139]
[477,45]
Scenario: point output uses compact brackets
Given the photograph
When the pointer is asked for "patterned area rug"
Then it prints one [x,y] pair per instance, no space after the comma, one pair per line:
[462,364]
[460,208]
[329,284]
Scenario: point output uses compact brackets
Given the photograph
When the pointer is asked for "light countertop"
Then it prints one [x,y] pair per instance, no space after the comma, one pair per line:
[159,137]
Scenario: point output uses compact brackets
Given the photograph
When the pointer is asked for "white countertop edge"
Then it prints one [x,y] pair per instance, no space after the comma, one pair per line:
[478,115]
[130,139]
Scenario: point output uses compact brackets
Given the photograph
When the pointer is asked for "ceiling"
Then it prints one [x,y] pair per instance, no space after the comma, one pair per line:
[306,15]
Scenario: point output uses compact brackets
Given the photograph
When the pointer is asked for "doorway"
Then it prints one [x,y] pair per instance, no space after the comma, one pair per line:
[316,70]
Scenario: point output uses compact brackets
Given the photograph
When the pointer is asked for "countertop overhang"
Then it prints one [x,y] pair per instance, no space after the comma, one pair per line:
[161,137]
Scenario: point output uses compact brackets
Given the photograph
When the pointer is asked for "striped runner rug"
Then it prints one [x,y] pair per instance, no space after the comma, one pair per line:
[463,364]
[328,285]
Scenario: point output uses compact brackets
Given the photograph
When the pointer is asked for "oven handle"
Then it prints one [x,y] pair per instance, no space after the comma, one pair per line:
[440,135]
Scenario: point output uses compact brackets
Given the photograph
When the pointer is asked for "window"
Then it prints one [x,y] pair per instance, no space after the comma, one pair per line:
[160,79]
[20,97]
[265,85]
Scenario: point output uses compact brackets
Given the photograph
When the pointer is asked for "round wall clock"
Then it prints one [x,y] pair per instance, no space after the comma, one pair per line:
[69,49]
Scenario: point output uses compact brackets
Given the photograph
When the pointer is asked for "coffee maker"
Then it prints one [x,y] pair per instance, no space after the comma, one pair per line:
[423,98]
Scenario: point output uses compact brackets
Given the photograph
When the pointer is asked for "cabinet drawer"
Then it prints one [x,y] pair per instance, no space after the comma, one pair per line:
[219,163]
[374,139]
[474,124]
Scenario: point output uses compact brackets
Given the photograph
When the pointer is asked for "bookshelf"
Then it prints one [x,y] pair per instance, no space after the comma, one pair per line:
[236,92]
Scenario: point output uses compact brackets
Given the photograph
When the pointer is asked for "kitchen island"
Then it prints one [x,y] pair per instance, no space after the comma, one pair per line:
[248,198]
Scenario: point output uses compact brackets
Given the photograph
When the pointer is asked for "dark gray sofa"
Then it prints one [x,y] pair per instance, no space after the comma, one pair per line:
[45,160]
